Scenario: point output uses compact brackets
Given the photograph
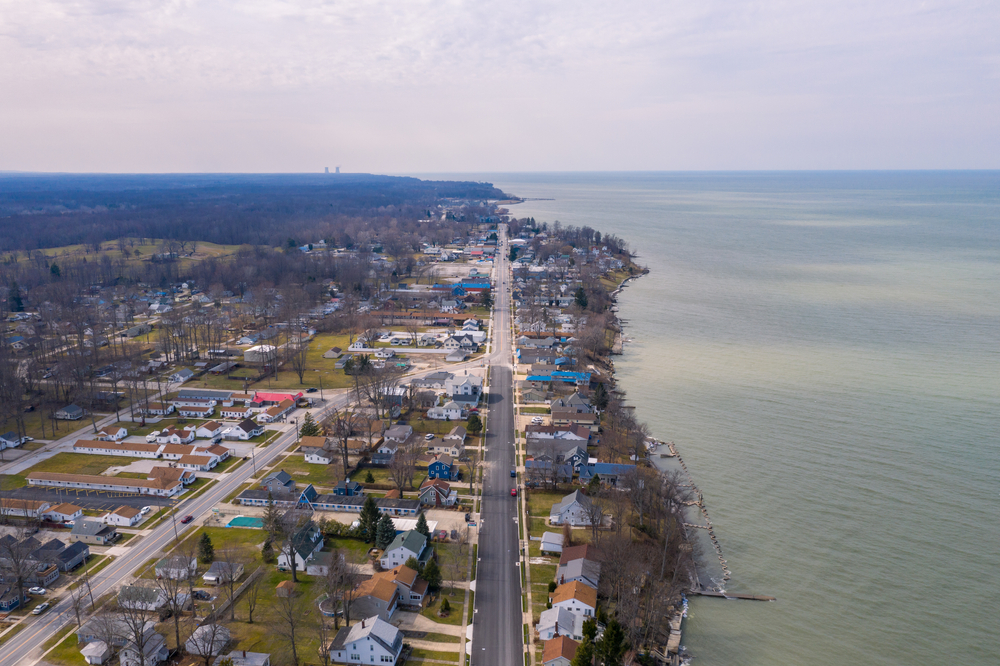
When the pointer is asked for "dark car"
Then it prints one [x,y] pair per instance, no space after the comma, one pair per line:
[187,519]
[312,390]
[513,473]
[467,517]
[202,595]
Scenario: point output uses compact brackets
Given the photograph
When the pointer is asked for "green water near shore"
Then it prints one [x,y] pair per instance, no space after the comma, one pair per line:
[823,348]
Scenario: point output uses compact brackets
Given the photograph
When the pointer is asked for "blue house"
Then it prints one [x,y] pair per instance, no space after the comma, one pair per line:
[442,467]
[607,473]
[348,488]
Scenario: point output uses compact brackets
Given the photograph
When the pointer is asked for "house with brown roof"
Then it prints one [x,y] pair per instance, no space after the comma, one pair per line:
[133,449]
[559,651]
[412,589]
[123,516]
[112,434]
[276,413]
[161,486]
[198,463]
[582,552]
[375,596]
[23,508]
[63,513]
[209,430]
[176,436]
[576,597]
[317,450]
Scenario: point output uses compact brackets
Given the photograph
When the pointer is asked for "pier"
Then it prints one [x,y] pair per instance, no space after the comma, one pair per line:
[725,595]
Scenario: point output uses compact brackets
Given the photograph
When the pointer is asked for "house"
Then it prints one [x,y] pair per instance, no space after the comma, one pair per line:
[397,434]
[280,481]
[453,448]
[573,510]
[222,572]
[375,597]
[154,650]
[450,411]
[72,556]
[175,436]
[306,541]
[10,440]
[95,653]
[412,589]
[95,629]
[533,395]
[456,436]
[176,567]
[559,651]
[197,463]
[560,622]
[207,640]
[196,412]
[276,413]
[562,416]
[435,380]
[410,543]
[435,492]
[464,388]
[552,542]
[93,531]
[442,467]
[237,412]
[142,598]
[581,552]
[574,402]
[182,375]
[348,488]
[157,409]
[112,434]
[209,430]
[317,450]
[63,513]
[246,429]
[70,413]
[132,449]
[609,474]
[582,570]
[576,598]
[456,356]
[23,508]
[538,472]
[371,641]
[571,433]
[123,516]
[10,599]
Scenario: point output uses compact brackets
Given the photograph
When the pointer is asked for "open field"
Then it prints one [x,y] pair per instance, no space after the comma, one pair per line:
[540,502]
[326,476]
[79,463]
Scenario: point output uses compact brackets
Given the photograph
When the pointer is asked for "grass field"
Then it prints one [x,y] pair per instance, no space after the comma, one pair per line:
[540,502]
[326,476]
[454,617]
[12,481]
[33,425]
[67,653]
[79,463]
[382,477]
[434,654]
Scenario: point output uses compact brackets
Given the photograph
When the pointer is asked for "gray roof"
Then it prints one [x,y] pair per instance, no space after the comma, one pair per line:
[281,476]
[580,568]
[412,540]
[244,658]
[575,496]
[249,425]
[203,394]
[86,527]
[375,628]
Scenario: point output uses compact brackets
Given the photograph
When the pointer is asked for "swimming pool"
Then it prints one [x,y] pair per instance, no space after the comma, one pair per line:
[245,521]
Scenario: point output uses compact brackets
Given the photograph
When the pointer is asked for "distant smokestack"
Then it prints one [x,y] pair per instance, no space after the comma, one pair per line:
[338,169]
[327,169]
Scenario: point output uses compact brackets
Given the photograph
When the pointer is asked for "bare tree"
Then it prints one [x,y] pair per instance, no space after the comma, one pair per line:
[290,621]
[403,465]
[596,511]
[231,562]
[340,424]
[208,641]
[251,593]
[340,579]
[171,588]
[15,551]
[136,612]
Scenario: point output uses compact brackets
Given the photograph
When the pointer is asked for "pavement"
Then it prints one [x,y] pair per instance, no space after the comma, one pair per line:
[497,638]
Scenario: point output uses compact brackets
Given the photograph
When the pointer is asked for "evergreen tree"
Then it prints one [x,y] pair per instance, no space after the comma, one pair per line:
[589,630]
[584,655]
[272,518]
[309,427]
[612,646]
[581,298]
[369,477]
[445,607]
[267,552]
[413,563]
[422,526]
[432,574]
[600,399]
[486,299]
[206,551]
[369,519]
[54,270]
[385,532]
[14,302]
[475,425]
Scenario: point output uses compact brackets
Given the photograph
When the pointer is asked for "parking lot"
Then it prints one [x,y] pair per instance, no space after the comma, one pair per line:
[95,500]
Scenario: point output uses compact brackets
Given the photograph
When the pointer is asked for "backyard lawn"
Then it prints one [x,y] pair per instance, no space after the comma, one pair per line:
[79,463]
[381,476]
[325,476]
[540,502]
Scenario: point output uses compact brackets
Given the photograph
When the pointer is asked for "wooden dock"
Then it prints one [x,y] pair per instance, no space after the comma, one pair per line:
[724,595]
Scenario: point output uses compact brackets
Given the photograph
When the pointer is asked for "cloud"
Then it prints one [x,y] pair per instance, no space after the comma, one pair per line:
[278,85]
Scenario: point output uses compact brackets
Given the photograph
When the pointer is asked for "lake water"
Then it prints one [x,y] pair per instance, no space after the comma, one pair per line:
[824,349]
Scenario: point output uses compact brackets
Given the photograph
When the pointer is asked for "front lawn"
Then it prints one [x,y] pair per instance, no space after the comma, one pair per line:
[540,502]
[454,616]
[381,476]
[326,476]
[12,481]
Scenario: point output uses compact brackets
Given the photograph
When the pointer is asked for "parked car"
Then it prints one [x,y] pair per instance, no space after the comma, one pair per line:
[429,436]
[201,595]
[312,390]
[41,608]
[145,510]
[187,519]
[513,473]
[37,590]
[513,492]
[151,437]
[468,516]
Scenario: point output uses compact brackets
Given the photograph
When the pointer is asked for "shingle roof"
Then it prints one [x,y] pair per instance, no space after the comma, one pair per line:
[575,590]
[412,540]
[559,647]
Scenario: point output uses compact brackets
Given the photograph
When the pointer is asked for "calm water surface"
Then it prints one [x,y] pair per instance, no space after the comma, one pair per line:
[823,348]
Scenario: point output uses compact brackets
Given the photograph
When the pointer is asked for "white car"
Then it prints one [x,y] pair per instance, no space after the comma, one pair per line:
[151,437]
[41,608]
[144,510]
[37,590]
[429,436]
[536,421]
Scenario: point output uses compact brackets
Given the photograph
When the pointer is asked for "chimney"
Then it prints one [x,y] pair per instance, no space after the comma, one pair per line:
[362,624]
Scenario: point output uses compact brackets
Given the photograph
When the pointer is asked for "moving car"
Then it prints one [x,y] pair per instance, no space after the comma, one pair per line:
[312,390]
[513,492]
[37,590]
[41,608]
[187,519]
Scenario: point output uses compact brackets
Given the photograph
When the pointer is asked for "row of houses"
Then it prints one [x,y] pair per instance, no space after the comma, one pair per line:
[196,457]
[573,602]
[348,497]
[161,481]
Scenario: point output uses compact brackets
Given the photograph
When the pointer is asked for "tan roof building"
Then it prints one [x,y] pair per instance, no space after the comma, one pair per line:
[559,651]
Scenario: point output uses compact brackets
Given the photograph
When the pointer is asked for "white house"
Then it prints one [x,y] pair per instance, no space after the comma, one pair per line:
[308,540]
[123,516]
[62,513]
[572,510]
[450,411]
[209,430]
[560,622]
[464,385]
[112,434]
[575,597]
[317,450]
[406,545]
[371,641]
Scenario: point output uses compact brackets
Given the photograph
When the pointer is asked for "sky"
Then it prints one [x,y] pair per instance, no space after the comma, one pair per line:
[415,86]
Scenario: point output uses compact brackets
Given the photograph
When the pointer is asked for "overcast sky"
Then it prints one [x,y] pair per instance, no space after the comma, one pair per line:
[447,85]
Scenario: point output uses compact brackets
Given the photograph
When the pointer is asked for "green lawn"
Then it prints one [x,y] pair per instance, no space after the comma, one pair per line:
[13,632]
[538,526]
[224,538]
[326,476]
[381,477]
[540,502]
[67,653]
[434,654]
[12,481]
[228,465]
[543,573]
[454,617]
[421,424]
[441,638]
[535,410]
[79,463]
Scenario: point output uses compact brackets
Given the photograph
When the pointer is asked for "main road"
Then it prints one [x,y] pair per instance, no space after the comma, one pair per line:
[24,648]
[497,639]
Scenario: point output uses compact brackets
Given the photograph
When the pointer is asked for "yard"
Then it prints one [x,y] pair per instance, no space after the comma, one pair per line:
[381,476]
[454,616]
[79,463]
[422,424]
[12,481]
[540,502]
[326,476]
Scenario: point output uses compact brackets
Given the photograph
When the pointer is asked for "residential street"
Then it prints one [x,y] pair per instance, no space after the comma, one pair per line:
[497,638]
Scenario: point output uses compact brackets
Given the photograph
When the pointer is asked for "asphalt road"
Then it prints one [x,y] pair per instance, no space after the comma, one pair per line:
[497,638]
